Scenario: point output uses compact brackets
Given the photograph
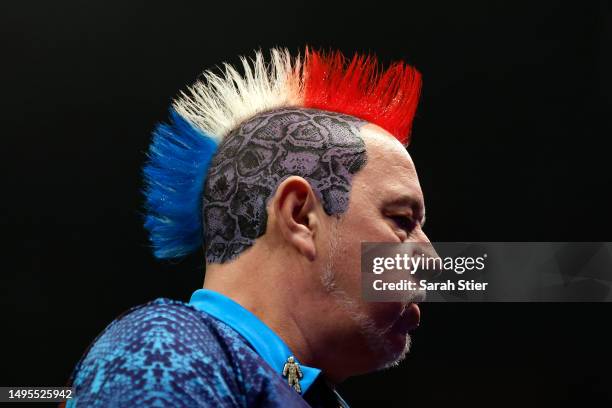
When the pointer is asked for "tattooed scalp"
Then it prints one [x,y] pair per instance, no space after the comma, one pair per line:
[324,148]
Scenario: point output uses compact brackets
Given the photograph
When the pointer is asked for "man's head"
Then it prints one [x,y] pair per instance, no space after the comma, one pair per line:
[293,190]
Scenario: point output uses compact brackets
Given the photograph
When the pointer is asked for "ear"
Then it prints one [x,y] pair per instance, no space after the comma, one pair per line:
[295,207]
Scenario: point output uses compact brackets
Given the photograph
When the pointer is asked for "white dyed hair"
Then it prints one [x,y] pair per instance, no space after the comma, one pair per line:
[220,102]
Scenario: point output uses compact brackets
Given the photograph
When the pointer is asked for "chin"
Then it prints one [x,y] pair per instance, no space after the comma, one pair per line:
[396,351]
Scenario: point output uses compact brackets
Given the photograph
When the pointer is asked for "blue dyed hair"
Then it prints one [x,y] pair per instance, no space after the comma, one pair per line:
[179,157]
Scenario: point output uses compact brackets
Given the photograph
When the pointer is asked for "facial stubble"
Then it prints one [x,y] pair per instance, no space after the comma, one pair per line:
[375,337]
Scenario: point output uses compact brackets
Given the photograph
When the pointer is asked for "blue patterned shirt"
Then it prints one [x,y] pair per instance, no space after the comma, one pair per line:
[211,352]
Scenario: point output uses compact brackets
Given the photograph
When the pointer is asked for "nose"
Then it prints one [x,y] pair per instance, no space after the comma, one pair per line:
[422,245]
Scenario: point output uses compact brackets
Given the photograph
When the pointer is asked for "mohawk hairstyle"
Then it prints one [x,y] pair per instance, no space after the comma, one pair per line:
[358,88]
[180,153]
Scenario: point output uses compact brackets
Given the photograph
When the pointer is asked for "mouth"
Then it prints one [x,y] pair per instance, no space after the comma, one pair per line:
[408,320]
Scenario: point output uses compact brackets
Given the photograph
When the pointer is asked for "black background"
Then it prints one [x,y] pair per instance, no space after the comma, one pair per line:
[510,141]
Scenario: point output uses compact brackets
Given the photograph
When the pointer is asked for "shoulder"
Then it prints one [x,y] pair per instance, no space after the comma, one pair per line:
[164,320]
[163,353]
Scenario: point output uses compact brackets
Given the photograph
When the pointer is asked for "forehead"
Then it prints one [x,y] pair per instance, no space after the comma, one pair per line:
[389,172]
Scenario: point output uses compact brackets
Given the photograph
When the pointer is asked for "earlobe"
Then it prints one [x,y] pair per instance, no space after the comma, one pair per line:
[295,212]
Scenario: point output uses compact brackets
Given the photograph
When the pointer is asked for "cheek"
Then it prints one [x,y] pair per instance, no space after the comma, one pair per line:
[371,228]
[347,259]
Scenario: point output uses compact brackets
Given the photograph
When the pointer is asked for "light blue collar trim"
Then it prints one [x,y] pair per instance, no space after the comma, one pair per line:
[266,343]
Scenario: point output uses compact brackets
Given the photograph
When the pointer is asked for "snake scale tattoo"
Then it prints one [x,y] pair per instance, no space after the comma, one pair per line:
[324,148]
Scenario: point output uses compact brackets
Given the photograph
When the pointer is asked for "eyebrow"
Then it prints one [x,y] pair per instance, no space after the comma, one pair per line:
[406,200]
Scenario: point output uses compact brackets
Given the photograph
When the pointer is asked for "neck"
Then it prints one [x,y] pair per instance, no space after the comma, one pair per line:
[272,293]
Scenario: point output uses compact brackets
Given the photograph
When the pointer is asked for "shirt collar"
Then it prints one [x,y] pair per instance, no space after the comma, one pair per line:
[266,343]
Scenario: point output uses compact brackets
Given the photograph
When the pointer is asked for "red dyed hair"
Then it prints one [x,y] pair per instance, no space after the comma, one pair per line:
[360,88]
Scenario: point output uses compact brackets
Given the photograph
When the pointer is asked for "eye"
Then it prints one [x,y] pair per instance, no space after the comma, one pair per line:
[403,222]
